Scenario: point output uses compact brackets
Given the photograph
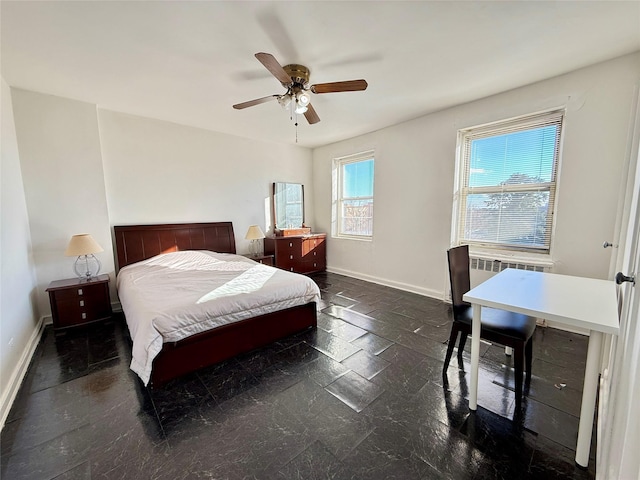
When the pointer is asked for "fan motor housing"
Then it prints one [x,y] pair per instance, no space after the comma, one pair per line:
[299,74]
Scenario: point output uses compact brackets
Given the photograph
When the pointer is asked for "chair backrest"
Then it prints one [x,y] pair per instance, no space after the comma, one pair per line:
[459,274]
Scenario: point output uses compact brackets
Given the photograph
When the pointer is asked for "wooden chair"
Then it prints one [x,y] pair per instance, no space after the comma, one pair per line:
[498,326]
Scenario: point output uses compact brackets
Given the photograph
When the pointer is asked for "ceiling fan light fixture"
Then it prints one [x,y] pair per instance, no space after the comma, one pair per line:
[303,98]
[284,100]
[295,79]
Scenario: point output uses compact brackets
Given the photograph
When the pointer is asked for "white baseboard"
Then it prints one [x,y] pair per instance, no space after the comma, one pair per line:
[9,395]
[389,283]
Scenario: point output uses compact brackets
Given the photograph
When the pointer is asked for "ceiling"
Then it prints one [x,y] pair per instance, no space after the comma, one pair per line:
[189,62]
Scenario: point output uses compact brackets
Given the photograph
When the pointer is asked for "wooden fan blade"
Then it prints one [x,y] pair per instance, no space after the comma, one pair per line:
[257,101]
[271,64]
[311,115]
[347,86]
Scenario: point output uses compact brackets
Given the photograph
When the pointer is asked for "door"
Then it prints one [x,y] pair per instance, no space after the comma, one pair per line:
[618,419]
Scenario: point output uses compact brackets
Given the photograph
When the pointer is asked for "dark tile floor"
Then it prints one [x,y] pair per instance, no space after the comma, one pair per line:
[361,397]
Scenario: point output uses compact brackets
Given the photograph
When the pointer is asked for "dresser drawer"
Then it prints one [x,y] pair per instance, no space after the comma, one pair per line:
[312,244]
[289,246]
[287,263]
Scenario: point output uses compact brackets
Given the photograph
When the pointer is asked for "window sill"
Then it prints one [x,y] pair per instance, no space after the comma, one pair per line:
[353,237]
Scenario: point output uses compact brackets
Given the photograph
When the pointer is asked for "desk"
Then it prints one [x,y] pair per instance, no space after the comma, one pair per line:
[575,301]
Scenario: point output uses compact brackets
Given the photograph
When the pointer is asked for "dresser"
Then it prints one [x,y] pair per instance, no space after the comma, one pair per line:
[76,301]
[298,253]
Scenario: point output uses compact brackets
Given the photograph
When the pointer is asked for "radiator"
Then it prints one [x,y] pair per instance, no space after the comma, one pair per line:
[495,266]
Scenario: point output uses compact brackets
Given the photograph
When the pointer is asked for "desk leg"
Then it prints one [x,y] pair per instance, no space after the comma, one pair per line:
[589,390]
[475,356]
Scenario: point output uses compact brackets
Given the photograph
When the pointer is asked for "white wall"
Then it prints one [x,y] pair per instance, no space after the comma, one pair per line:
[18,315]
[160,172]
[415,167]
[63,178]
[86,169]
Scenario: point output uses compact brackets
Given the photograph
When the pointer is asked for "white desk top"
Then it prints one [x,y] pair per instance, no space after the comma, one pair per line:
[577,301]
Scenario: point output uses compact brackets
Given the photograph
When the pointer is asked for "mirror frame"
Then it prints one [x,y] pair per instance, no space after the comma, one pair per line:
[276,226]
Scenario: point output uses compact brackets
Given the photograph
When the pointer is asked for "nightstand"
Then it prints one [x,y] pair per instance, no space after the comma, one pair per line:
[264,259]
[77,301]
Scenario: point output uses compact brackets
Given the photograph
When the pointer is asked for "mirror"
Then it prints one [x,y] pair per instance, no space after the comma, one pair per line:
[288,205]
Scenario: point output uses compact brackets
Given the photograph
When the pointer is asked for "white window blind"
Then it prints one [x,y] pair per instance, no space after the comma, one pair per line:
[508,182]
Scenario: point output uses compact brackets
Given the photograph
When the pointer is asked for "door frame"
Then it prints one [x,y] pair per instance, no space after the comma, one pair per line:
[618,427]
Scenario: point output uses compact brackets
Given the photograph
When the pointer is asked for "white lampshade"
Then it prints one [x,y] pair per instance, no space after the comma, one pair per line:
[254,233]
[82,244]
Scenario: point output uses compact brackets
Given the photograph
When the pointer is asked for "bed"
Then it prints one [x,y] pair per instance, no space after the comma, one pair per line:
[145,249]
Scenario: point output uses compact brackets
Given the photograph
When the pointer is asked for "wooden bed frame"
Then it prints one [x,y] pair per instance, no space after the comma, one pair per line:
[139,242]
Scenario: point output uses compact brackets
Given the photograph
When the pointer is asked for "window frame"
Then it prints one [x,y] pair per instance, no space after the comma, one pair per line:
[337,189]
[462,190]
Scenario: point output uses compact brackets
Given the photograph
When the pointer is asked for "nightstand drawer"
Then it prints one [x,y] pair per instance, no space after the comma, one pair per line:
[82,292]
[263,259]
[70,314]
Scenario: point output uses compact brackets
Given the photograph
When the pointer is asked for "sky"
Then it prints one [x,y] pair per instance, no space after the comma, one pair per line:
[358,179]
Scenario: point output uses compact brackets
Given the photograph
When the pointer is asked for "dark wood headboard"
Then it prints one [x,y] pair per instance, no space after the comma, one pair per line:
[139,242]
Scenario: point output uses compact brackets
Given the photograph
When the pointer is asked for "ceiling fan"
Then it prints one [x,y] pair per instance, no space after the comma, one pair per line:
[295,78]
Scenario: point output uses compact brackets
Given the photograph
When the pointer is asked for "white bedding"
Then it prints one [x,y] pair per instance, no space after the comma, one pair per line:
[174,295]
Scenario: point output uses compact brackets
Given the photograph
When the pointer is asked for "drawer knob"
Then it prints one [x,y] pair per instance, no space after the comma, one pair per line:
[84,316]
[79,291]
[82,303]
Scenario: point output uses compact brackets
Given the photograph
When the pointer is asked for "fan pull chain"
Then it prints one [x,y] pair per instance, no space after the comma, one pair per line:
[293,113]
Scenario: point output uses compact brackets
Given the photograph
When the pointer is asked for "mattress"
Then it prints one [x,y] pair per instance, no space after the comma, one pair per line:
[172,296]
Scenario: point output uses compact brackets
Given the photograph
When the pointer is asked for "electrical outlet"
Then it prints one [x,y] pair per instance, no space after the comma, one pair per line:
[10,343]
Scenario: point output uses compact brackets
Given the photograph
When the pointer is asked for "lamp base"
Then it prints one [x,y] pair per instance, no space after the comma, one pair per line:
[254,248]
[87,266]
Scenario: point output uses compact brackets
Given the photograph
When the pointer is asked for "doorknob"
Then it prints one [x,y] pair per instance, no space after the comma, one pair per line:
[621,277]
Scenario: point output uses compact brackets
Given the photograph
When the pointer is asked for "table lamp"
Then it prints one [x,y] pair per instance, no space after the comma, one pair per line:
[84,246]
[254,234]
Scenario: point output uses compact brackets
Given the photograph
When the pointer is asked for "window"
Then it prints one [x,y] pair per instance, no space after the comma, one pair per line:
[507,183]
[353,196]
